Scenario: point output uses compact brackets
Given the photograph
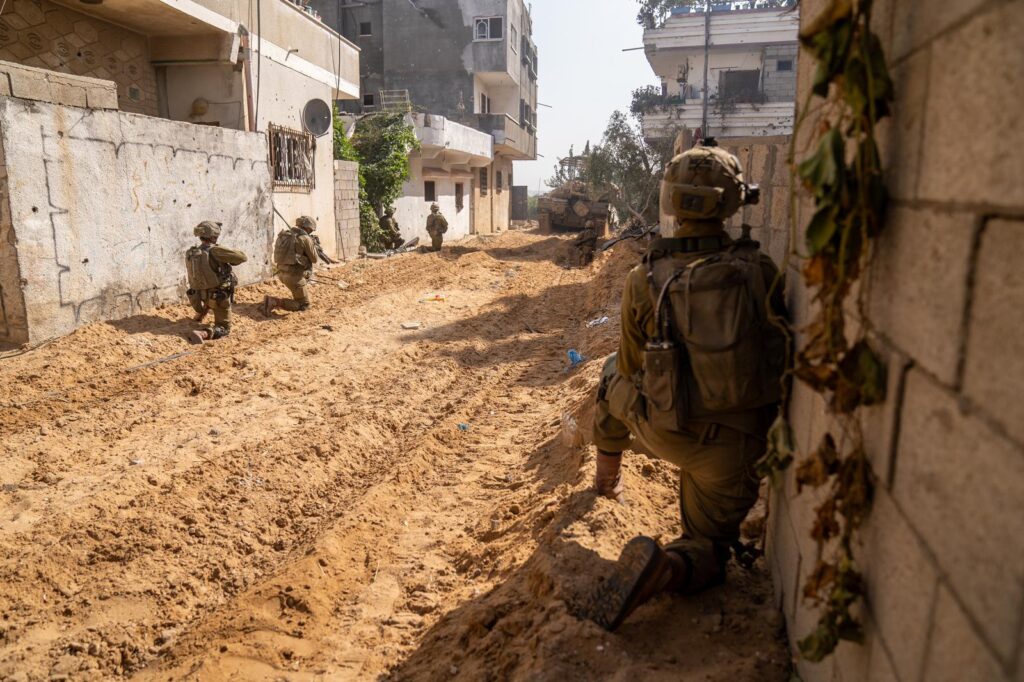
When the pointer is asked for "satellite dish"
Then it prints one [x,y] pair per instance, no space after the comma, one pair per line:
[317,117]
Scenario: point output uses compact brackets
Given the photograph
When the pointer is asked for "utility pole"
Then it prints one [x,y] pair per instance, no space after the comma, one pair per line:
[707,51]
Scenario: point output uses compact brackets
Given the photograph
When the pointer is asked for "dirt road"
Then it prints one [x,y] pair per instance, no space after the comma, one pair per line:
[327,496]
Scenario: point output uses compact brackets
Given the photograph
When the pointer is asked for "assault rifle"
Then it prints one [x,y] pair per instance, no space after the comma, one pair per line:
[320,251]
[636,232]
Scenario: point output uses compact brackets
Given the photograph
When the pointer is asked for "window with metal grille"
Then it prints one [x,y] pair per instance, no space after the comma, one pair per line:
[488,28]
[429,191]
[483,182]
[291,157]
[740,86]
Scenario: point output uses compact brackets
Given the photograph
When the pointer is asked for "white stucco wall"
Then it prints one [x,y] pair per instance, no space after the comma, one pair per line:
[103,203]
[411,209]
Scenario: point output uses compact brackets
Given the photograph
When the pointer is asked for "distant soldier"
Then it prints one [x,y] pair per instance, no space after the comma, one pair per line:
[436,227]
[696,381]
[392,234]
[295,254]
[211,281]
[586,244]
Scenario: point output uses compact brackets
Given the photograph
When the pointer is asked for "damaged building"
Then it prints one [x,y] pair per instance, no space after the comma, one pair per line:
[123,123]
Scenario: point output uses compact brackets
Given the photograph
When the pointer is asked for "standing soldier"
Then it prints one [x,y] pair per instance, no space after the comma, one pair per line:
[211,281]
[436,227]
[392,234]
[586,243]
[696,381]
[295,253]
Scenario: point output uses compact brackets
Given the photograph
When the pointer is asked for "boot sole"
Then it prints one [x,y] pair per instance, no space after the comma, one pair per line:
[616,597]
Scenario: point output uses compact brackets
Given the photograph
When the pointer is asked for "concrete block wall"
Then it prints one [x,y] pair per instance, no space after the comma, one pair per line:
[943,551]
[346,208]
[780,86]
[45,35]
[98,208]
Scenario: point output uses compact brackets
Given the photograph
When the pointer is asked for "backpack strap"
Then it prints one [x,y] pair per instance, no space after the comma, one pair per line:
[665,246]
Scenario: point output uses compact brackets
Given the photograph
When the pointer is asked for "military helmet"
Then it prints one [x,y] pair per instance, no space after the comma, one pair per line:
[390,210]
[705,183]
[434,208]
[306,223]
[207,230]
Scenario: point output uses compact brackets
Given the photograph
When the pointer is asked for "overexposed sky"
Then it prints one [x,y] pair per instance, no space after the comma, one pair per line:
[584,75]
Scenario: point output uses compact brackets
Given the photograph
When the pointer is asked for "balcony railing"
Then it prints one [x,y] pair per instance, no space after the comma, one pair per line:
[509,134]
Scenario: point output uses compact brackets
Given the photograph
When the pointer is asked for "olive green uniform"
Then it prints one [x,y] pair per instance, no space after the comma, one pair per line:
[586,245]
[218,300]
[437,225]
[296,275]
[392,234]
[716,454]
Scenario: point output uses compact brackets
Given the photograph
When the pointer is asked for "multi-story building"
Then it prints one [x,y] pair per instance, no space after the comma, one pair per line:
[472,62]
[748,85]
[124,123]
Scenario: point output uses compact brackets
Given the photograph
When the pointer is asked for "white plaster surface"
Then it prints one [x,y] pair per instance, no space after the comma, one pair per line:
[103,204]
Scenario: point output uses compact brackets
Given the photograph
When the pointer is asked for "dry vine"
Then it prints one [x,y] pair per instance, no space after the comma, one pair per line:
[844,177]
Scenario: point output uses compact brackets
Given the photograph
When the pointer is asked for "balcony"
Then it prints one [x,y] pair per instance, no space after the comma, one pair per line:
[724,120]
[510,138]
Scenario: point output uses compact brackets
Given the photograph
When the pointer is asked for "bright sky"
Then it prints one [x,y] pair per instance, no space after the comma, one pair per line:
[584,75]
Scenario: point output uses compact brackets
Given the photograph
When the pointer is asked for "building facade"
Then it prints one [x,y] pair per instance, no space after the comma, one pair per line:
[750,82]
[472,62]
[125,123]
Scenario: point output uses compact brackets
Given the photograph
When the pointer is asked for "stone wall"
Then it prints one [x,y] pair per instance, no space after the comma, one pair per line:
[346,208]
[98,208]
[42,34]
[943,552]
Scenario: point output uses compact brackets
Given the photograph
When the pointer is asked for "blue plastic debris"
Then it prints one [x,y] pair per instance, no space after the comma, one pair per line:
[574,357]
[463,427]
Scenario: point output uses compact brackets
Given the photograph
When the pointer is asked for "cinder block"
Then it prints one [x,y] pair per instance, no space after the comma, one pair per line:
[962,487]
[956,652]
[995,346]
[916,23]
[779,199]
[900,136]
[901,585]
[978,62]
[919,285]
[880,422]
[880,668]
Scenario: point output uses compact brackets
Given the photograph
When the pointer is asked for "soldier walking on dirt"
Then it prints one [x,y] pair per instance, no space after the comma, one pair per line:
[586,244]
[211,281]
[696,381]
[295,254]
[437,225]
[392,233]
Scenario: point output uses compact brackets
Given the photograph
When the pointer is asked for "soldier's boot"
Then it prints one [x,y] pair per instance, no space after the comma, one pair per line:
[199,337]
[643,570]
[608,480]
[269,305]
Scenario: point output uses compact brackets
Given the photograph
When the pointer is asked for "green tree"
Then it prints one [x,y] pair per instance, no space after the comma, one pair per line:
[381,145]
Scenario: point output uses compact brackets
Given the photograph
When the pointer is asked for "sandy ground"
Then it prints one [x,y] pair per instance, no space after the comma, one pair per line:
[299,501]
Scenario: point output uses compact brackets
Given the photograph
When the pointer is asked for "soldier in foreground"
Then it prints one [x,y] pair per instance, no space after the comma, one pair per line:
[392,233]
[295,254]
[586,244]
[211,281]
[696,382]
[437,225]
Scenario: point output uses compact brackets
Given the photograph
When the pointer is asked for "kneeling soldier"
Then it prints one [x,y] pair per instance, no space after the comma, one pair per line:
[295,253]
[211,281]
[696,381]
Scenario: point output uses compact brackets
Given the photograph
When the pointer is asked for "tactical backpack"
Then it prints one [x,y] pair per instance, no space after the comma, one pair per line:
[715,349]
[288,251]
[203,273]
[438,223]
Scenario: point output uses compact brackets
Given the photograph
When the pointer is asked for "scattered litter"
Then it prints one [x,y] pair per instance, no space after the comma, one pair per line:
[598,322]
[138,462]
[454,670]
[575,357]
[463,427]
[570,433]
[342,284]
[327,327]
[436,298]
[10,487]
[411,325]
[600,647]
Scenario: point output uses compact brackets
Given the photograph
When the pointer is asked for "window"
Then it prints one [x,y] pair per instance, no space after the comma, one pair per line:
[483,182]
[365,28]
[740,86]
[515,39]
[459,204]
[291,157]
[785,65]
[497,182]
[488,28]
[485,104]
[368,100]
[429,191]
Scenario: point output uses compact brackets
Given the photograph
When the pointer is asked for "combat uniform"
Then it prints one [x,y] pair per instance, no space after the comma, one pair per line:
[392,233]
[295,254]
[210,264]
[586,245]
[437,225]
